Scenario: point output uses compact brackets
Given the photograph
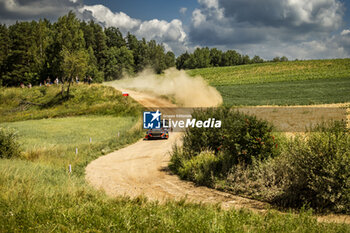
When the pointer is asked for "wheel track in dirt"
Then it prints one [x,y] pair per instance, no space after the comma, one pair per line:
[141,169]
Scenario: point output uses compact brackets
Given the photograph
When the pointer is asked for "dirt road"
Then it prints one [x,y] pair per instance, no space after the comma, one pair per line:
[141,169]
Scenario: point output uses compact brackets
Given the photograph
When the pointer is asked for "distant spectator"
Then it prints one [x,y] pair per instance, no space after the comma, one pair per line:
[48,81]
[77,79]
[22,85]
[90,80]
[40,84]
[29,85]
[57,81]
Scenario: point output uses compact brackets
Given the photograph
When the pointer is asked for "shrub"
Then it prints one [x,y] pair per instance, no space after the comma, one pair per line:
[240,139]
[9,147]
[263,180]
[201,168]
[319,171]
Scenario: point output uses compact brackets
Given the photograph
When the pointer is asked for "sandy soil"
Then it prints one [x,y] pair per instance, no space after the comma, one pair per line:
[141,169]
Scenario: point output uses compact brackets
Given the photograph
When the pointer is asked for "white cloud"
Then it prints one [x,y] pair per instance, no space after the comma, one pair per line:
[295,28]
[183,10]
[209,3]
[170,33]
[198,17]
[105,15]
[345,32]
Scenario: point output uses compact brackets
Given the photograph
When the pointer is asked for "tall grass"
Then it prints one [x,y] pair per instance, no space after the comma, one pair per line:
[39,198]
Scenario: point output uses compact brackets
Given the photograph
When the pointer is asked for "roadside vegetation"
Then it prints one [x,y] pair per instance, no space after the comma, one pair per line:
[17,104]
[244,157]
[281,83]
[39,194]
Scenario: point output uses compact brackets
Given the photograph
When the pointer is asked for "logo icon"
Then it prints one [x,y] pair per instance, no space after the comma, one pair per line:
[151,120]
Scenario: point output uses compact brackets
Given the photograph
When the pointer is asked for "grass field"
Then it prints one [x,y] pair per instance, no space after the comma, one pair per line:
[37,197]
[275,72]
[70,131]
[305,92]
[283,83]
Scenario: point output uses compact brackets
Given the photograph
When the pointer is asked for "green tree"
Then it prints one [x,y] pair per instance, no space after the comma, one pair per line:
[276,59]
[202,57]
[92,70]
[68,35]
[170,59]
[114,37]
[245,60]
[215,57]
[23,63]
[257,59]
[181,60]
[142,55]
[284,59]
[4,51]
[231,58]
[119,61]
[157,56]
[75,64]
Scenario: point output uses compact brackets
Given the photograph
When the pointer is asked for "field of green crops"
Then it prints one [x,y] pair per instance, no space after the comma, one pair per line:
[283,83]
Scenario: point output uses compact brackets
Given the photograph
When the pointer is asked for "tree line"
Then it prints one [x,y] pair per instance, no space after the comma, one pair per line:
[30,52]
[205,57]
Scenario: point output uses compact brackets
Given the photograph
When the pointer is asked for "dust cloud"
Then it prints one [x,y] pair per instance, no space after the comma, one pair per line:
[187,91]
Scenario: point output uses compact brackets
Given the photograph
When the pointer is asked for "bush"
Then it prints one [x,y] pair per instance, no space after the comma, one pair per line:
[311,170]
[262,180]
[209,154]
[9,148]
[319,171]
[200,169]
[240,139]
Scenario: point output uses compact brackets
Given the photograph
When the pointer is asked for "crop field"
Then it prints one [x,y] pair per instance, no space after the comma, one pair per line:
[305,92]
[284,83]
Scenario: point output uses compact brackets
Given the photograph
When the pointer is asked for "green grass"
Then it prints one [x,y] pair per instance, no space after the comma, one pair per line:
[275,72]
[18,104]
[70,131]
[281,83]
[306,92]
[38,194]
[40,198]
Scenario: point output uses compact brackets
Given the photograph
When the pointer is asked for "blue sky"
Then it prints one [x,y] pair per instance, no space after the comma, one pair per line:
[303,29]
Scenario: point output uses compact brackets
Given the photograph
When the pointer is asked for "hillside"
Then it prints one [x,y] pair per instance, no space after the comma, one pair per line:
[283,83]
[18,104]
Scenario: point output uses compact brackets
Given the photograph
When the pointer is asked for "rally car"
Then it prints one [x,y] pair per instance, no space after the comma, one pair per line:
[161,133]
